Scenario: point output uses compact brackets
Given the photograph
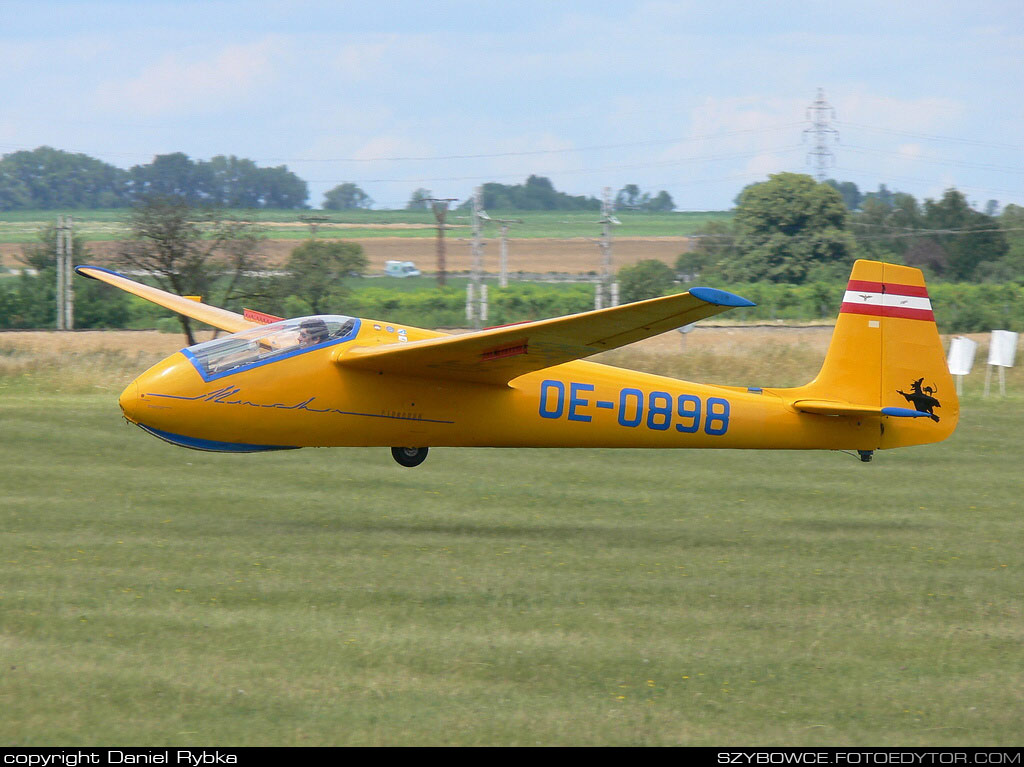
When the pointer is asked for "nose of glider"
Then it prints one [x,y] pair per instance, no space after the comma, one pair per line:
[129,402]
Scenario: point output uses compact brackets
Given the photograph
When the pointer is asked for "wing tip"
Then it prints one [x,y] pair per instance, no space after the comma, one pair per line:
[720,297]
[79,269]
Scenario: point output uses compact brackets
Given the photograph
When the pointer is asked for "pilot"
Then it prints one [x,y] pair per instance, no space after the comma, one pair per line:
[312,331]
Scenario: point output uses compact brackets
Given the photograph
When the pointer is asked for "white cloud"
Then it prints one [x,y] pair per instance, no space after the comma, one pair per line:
[909,151]
[180,84]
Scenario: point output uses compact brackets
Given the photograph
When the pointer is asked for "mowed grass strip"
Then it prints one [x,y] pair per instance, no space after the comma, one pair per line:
[155,596]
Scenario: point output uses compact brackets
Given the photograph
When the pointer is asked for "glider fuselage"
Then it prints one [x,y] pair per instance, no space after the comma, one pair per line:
[305,399]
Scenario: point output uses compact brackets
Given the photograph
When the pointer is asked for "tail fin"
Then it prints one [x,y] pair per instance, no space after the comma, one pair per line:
[886,355]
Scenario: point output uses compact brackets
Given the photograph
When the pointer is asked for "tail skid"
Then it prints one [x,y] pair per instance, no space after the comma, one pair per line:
[886,360]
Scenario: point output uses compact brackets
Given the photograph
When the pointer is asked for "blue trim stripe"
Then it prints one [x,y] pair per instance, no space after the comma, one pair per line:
[80,267]
[209,445]
[720,297]
[904,412]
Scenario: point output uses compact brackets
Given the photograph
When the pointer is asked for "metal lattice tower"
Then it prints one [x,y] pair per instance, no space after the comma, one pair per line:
[607,293]
[820,114]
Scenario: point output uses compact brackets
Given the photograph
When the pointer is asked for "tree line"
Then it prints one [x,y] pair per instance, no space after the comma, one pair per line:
[52,179]
[792,229]
[49,179]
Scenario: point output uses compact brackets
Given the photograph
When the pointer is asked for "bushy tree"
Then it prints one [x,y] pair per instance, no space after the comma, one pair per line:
[192,252]
[536,193]
[850,193]
[32,301]
[631,198]
[48,178]
[347,196]
[714,247]
[645,279]
[785,227]
[968,237]
[228,181]
[418,199]
[662,202]
[317,270]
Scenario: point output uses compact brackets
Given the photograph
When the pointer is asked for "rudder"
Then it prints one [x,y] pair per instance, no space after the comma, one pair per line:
[886,352]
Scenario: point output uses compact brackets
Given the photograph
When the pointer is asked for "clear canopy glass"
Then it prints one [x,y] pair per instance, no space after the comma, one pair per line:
[269,343]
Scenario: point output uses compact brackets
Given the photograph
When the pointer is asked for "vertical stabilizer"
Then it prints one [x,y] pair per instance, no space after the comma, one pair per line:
[886,353]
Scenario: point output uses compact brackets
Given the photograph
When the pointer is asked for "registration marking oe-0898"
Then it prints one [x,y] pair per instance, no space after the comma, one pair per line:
[656,410]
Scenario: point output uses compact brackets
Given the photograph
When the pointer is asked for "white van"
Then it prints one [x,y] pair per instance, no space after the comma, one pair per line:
[401,269]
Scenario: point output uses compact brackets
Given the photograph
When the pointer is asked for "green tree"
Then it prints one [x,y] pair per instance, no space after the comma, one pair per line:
[632,198]
[169,175]
[645,279]
[661,203]
[317,270]
[628,197]
[280,188]
[714,248]
[537,193]
[785,227]
[33,302]
[968,237]
[347,196]
[850,193]
[192,252]
[49,178]
[418,200]
[1012,222]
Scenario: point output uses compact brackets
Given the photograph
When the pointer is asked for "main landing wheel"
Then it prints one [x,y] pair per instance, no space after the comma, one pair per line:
[409,456]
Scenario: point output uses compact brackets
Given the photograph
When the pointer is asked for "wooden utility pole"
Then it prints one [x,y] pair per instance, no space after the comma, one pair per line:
[440,208]
[314,222]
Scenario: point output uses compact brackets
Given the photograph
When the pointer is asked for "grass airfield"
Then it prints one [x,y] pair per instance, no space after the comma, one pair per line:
[155,596]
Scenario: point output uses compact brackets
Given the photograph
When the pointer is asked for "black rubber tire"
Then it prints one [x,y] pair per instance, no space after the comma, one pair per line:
[409,456]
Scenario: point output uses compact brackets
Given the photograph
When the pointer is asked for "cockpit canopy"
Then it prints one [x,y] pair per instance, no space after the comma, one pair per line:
[269,343]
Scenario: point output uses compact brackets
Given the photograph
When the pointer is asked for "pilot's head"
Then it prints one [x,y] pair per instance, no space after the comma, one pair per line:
[312,331]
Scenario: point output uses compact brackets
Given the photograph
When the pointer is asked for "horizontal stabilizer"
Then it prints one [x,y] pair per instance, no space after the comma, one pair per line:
[827,407]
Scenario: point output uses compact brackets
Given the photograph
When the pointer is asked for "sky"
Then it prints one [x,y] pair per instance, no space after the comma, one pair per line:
[696,98]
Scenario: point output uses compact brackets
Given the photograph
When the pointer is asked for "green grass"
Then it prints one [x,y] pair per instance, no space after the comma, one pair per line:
[102,225]
[155,596]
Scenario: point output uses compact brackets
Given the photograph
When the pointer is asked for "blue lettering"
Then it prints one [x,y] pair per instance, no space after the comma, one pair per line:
[659,410]
[638,406]
[559,408]
[688,409]
[718,413]
[575,401]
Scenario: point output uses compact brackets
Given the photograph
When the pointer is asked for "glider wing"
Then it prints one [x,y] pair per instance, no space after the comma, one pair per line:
[497,355]
[211,315]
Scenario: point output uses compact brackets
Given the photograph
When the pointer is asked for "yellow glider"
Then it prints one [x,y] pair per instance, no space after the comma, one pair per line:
[333,380]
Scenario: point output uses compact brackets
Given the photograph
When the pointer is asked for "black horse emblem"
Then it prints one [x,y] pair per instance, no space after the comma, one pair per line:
[921,398]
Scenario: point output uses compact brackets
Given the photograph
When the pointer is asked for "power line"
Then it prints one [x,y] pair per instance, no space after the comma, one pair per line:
[932,181]
[937,160]
[931,136]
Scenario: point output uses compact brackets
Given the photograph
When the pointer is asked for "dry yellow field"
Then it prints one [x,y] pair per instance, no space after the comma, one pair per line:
[734,355]
[536,255]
